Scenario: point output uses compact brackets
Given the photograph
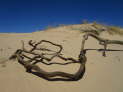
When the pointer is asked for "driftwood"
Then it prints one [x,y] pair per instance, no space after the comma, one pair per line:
[104,42]
[31,67]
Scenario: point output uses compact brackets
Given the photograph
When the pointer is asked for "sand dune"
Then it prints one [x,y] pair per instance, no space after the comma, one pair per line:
[103,74]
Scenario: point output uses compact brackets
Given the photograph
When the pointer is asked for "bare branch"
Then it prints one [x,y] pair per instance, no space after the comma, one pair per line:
[31,67]
[102,41]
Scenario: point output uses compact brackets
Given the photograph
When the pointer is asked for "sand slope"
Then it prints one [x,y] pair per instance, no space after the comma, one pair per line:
[103,74]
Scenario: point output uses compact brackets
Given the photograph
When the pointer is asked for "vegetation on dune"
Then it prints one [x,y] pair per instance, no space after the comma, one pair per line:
[112,30]
[115,30]
[86,26]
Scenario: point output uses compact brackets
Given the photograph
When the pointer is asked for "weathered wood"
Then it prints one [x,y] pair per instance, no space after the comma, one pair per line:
[30,67]
[102,41]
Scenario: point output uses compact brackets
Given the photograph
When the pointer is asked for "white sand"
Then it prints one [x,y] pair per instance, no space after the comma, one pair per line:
[103,74]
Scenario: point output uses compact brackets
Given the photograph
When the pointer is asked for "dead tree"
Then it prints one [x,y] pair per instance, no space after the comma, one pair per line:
[31,67]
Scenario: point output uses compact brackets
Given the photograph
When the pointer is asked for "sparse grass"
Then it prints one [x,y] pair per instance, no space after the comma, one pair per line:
[93,27]
[49,27]
[54,26]
[112,30]
[99,28]
[115,30]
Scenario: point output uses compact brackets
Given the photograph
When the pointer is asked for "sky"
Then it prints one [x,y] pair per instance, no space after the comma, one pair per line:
[23,16]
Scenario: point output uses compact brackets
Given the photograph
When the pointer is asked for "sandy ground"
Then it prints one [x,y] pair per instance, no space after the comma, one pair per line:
[103,74]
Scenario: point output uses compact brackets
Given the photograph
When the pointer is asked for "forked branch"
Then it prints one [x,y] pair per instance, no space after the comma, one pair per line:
[31,67]
[102,41]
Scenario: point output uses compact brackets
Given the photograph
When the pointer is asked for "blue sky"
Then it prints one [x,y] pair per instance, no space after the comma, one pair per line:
[31,15]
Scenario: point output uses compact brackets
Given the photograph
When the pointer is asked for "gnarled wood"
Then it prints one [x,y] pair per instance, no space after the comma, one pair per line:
[102,41]
[39,58]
